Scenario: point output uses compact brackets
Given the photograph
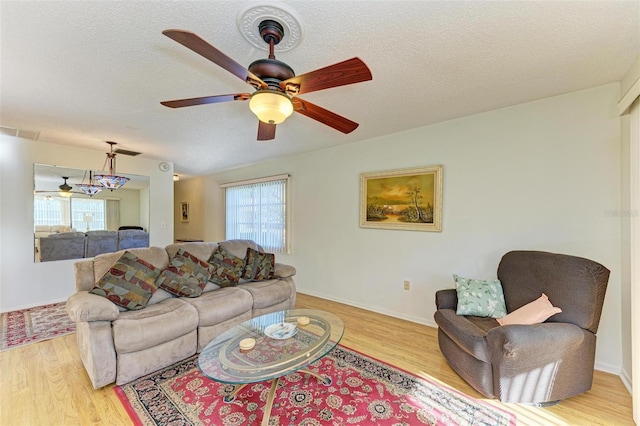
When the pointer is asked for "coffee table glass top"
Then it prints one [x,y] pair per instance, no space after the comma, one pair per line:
[283,344]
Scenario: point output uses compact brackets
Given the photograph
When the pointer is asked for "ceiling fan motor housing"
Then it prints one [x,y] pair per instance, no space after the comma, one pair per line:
[272,72]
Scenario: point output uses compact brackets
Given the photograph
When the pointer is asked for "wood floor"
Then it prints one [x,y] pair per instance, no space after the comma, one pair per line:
[45,383]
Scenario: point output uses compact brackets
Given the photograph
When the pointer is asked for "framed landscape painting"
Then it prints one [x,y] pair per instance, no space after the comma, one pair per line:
[406,199]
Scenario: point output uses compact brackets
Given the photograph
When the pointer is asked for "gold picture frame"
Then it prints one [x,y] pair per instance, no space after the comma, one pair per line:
[404,199]
[184,212]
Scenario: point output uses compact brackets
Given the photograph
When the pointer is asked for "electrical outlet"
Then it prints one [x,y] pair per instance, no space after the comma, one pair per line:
[407,284]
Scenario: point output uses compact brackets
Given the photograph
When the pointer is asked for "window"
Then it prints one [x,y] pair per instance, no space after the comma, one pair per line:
[70,211]
[88,214]
[257,210]
[51,211]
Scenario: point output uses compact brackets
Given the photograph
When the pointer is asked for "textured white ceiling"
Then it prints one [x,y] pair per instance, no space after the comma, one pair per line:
[83,73]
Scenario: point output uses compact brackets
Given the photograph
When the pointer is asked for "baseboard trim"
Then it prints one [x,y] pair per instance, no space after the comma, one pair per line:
[626,380]
[32,305]
[375,309]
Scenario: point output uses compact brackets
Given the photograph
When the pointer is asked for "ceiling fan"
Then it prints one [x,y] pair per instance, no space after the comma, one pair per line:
[277,86]
[64,190]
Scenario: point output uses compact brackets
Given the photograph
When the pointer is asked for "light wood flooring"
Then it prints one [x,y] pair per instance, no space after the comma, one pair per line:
[45,383]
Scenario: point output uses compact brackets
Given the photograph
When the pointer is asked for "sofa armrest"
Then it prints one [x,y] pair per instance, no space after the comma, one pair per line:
[283,271]
[447,299]
[84,307]
[524,341]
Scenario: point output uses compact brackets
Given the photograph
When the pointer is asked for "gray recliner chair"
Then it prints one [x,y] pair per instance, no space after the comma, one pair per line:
[540,363]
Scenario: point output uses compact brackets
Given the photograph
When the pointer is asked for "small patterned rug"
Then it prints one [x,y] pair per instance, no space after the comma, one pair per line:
[34,325]
[364,391]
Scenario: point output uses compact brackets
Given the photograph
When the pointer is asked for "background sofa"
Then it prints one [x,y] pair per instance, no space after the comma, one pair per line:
[65,245]
[54,245]
[119,345]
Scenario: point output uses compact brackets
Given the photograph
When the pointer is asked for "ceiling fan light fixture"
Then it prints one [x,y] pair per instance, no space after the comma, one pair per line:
[65,188]
[271,106]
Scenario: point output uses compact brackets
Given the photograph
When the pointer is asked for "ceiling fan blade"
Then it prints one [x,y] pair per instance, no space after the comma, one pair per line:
[266,131]
[324,116]
[201,47]
[348,72]
[56,192]
[179,103]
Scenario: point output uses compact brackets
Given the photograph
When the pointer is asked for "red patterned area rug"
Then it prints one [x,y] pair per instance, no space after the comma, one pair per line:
[364,391]
[34,325]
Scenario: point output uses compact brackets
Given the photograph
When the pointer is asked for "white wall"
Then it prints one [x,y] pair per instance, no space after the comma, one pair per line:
[543,175]
[24,283]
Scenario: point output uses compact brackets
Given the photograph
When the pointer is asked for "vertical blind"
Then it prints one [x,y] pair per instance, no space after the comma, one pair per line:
[256,210]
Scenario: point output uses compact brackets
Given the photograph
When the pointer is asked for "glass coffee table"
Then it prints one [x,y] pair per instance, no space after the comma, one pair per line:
[269,347]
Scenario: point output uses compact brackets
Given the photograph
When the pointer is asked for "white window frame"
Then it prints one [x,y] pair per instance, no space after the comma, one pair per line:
[277,242]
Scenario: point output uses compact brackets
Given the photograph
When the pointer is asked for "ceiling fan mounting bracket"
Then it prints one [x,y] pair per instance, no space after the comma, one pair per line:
[254,13]
[271,31]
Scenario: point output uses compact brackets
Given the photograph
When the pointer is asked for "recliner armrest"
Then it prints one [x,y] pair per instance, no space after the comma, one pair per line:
[84,307]
[447,299]
[283,271]
[523,341]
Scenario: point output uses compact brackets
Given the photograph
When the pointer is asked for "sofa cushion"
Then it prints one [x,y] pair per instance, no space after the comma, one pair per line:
[165,321]
[238,248]
[129,283]
[185,276]
[534,312]
[156,256]
[227,268]
[258,266]
[201,250]
[267,293]
[480,298]
[215,307]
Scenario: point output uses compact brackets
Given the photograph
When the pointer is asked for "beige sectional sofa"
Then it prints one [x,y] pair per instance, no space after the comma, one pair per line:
[119,345]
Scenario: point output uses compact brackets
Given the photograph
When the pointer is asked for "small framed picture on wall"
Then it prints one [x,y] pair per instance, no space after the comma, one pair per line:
[184,212]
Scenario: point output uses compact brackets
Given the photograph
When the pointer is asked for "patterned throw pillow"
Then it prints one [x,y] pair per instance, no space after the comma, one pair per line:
[258,266]
[227,268]
[185,276]
[129,283]
[480,298]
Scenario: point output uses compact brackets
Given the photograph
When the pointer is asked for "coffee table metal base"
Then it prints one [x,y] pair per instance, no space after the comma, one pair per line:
[272,393]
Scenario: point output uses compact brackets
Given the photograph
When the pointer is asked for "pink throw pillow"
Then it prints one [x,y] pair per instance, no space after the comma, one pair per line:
[534,312]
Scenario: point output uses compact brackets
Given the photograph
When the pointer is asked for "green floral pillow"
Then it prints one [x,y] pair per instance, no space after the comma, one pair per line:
[185,276]
[480,298]
[129,283]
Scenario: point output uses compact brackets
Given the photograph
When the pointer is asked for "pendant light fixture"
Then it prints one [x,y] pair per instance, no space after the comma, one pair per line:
[90,188]
[111,181]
